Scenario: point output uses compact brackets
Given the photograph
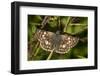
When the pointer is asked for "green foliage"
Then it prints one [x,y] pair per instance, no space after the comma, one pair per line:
[68,24]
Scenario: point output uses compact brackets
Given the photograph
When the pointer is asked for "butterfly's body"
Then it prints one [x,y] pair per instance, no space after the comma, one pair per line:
[56,42]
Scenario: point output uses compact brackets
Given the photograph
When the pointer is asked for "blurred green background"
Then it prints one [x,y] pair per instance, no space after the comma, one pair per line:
[75,26]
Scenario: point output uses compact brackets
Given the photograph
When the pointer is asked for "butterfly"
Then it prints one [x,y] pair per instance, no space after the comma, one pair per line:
[59,43]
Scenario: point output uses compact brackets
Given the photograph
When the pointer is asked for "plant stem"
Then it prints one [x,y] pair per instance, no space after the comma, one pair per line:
[78,24]
[37,50]
[80,31]
[45,20]
[83,39]
[81,57]
[58,23]
[67,23]
[50,55]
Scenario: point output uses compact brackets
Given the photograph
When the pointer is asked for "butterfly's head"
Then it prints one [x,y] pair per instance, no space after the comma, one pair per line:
[57,32]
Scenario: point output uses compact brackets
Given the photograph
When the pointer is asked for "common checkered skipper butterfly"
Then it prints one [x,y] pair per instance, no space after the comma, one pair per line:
[59,43]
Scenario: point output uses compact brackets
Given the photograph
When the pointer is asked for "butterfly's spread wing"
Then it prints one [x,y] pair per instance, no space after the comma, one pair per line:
[45,39]
[66,43]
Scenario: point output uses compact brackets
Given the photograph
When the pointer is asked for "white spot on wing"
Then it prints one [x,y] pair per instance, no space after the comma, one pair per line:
[46,42]
[69,38]
[44,32]
[63,46]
